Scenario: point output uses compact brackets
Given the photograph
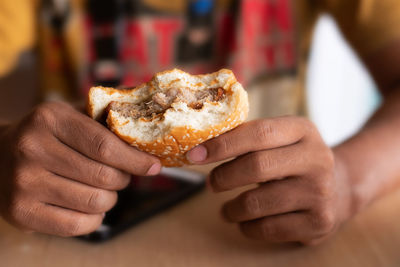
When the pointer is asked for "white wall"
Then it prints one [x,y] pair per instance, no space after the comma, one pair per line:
[340,93]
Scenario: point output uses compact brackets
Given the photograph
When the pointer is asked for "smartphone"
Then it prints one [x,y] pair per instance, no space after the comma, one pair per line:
[145,197]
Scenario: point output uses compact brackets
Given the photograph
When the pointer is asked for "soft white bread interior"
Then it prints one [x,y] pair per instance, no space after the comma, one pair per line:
[180,127]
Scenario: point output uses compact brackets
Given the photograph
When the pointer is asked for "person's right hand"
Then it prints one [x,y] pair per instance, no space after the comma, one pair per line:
[60,170]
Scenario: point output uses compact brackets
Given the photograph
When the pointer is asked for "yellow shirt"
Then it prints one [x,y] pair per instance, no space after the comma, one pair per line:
[17,31]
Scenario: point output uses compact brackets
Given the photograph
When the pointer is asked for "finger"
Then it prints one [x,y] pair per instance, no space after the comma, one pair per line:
[64,161]
[272,198]
[290,227]
[251,136]
[54,220]
[65,193]
[96,142]
[261,166]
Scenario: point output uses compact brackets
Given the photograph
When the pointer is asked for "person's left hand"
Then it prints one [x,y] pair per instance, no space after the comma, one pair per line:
[302,194]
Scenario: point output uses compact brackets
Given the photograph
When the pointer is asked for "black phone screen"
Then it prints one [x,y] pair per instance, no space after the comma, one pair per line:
[145,197]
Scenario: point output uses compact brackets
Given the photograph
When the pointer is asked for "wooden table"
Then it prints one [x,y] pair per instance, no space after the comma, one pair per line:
[193,234]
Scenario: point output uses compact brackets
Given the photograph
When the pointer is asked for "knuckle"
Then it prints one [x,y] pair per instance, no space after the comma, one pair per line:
[96,201]
[105,177]
[251,203]
[224,145]
[324,221]
[101,145]
[19,213]
[322,188]
[45,113]
[27,146]
[263,131]
[78,225]
[22,181]
[326,161]
[19,178]
[259,164]
[15,209]
[73,227]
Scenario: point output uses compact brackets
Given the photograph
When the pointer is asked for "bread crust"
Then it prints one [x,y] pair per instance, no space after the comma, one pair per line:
[172,146]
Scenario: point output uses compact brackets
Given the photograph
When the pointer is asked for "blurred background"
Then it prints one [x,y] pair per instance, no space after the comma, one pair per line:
[339,91]
[341,94]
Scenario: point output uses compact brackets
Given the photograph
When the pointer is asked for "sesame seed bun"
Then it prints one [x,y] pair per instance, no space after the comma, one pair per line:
[181,128]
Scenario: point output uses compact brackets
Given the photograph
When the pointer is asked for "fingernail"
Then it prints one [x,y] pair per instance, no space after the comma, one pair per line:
[197,154]
[154,169]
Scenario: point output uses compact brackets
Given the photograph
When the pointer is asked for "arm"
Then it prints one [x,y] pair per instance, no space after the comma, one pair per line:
[372,157]
[306,190]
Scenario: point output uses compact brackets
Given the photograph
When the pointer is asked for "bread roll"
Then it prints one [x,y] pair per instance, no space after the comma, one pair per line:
[173,112]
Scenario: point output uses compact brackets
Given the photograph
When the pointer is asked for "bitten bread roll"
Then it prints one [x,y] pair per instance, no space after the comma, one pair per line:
[173,112]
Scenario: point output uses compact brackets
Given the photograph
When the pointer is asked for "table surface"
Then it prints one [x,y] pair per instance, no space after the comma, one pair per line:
[193,234]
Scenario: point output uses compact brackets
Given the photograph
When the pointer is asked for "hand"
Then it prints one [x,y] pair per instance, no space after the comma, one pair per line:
[302,193]
[59,171]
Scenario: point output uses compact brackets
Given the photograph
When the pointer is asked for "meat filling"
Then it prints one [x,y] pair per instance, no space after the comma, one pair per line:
[160,102]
